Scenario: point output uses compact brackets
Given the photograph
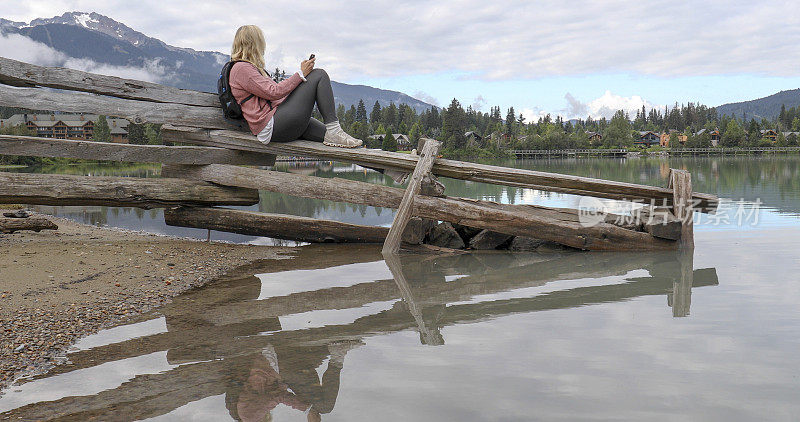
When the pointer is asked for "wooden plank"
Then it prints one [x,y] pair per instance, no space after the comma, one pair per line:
[521,220]
[426,157]
[532,179]
[57,189]
[30,146]
[683,205]
[22,74]
[33,223]
[277,226]
[134,110]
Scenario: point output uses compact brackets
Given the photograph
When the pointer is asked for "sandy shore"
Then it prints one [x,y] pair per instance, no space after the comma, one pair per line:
[59,286]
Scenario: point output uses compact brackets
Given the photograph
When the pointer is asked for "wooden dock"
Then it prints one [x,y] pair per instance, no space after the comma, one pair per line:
[586,152]
[198,179]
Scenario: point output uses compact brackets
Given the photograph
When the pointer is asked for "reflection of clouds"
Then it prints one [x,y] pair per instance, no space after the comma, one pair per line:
[732,359]
[288,282]
[85,382]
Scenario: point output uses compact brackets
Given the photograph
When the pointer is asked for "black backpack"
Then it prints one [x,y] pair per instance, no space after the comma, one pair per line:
[230,107]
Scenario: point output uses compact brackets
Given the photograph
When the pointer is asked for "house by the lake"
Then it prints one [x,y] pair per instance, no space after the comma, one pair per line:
[714,134]
[403,142]
[594,138]
[663,138]
[646,139]
[769,134]
[473,139]
[67,126]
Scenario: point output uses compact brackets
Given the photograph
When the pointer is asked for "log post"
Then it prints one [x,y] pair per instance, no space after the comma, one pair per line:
[426,158]
[680,181]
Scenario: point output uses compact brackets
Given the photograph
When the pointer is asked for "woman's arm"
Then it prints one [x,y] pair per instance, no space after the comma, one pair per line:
[266,88]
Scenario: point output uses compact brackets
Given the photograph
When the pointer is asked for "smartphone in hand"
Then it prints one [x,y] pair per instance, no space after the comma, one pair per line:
[312,57]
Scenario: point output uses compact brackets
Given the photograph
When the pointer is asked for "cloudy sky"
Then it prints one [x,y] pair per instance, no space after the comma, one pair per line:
[563,57]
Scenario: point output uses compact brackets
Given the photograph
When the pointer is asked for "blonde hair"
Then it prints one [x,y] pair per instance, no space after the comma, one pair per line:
[249,45]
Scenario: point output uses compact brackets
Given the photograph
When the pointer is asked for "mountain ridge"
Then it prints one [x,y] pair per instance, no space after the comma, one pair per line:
[90,35]
[768,107]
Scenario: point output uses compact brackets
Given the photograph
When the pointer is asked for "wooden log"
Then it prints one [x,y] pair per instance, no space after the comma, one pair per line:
[661,223]
[680,181]
[532,179]
[523,220]
[136,111]
[426,157]
[33,223]
[22,74]
[277,226]
[30,146]
[57,189]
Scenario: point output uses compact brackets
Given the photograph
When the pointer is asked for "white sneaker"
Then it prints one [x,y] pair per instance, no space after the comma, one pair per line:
[335,136]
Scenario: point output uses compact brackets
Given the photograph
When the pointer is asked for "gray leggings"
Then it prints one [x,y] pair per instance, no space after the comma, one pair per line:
[293,117]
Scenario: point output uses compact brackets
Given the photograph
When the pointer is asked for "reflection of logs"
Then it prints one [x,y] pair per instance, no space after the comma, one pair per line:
[143,397]
[193,337]
[427,335]
[425,283]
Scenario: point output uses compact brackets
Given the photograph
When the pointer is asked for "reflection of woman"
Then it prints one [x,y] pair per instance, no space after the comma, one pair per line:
[263,391]
[287,376]
[281,111]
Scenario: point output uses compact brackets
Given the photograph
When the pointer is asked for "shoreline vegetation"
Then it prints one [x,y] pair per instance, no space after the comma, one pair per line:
[470,134]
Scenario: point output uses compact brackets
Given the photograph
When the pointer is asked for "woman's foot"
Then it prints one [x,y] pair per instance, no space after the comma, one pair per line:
[335,136]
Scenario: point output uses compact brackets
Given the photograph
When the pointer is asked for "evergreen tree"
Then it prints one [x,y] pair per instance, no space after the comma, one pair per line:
[136,134]
[734,134]
[101,132]
[375,115]
[416,133]
[454,126]
[389,115]
[389,143]
[511,122]
[361,112]
[618,133]
[153,134]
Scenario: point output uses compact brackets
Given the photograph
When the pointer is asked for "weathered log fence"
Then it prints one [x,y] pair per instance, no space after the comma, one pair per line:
[197,179]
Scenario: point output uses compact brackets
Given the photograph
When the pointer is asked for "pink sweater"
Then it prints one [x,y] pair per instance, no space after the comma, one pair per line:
[245,80]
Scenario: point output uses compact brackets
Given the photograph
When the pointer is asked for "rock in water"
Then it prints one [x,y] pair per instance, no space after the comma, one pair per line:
[444,235]
[416,230]
[466,232]
[522,243]
[487,240]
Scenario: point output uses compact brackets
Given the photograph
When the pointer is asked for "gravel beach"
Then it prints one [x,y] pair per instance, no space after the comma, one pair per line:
[59,286]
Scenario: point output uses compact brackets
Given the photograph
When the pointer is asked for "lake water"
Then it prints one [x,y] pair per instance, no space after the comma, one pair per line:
[710,335]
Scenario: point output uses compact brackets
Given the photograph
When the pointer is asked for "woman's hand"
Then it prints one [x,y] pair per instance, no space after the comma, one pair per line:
[307,66]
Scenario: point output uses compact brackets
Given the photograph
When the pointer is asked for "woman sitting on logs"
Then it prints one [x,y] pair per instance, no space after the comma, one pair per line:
[281,111]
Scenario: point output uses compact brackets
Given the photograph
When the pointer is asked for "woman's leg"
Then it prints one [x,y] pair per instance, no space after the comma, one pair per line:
[315,131]
[293,116]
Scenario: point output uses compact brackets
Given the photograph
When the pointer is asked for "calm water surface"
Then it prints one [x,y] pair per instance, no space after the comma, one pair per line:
[712,335]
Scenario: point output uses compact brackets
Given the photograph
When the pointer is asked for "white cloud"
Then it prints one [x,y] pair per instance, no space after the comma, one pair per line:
[608,104]
[478,103]
[422,96]
[488,40]
[18,47]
